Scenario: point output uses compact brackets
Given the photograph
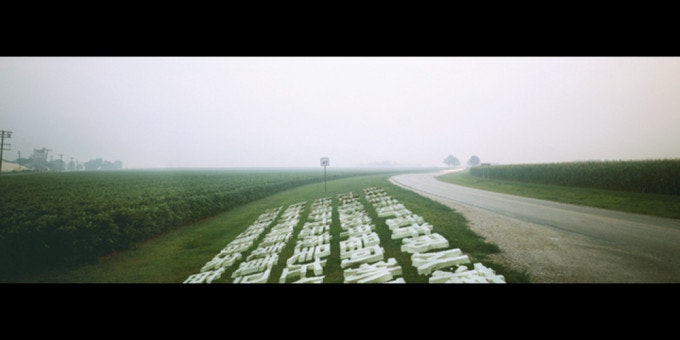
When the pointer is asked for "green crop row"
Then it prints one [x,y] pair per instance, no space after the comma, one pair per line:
[49,220]
[648,176]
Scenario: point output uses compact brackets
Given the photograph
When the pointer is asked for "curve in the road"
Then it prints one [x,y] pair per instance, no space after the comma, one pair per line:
[655,239]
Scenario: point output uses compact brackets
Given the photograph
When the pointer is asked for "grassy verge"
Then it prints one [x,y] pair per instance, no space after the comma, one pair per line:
[453,226]
[648,204]
[173,256]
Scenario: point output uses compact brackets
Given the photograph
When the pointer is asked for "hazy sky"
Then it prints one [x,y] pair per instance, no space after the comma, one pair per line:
[243,112]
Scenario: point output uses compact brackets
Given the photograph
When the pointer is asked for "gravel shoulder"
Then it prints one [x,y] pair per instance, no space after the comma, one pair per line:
[554,255]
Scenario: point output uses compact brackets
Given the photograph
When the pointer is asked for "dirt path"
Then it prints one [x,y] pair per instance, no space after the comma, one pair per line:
[552,251]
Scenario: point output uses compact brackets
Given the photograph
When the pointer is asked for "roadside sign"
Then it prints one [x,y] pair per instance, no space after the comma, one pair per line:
[324,163]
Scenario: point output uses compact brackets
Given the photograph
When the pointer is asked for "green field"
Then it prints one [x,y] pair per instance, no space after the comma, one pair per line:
[174,255]
[50,220]
[646,176]
[640,203]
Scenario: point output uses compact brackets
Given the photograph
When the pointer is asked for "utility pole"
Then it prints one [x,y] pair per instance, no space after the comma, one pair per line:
[61,162]
[4,134]
[19,159]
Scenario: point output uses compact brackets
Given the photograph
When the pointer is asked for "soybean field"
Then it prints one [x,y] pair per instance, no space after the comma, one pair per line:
[49,220]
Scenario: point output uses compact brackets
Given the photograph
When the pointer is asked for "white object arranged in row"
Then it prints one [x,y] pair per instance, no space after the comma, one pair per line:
[312,246]
[265,251]
[233,252]
[300,270]
[378,272]
[426,263]
[258,268]
[205,277]
[364,255]
[419,240]
[255,266]
[261,277]
[412,231]
[479,274]
[424,243]
[361,255]
[356,243]
[404,221]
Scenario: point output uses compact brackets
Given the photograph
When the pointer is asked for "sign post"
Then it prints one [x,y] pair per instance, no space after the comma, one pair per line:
[324,163]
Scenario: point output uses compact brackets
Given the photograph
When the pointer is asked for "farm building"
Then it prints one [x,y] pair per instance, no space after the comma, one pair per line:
[8,166]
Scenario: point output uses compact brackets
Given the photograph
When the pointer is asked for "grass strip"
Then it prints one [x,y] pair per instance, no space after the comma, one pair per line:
[639,203]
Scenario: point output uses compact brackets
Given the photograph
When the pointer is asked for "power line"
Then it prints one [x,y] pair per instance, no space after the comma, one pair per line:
[8,135]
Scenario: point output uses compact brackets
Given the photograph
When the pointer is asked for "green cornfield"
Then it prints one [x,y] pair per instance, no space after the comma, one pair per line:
[647,176]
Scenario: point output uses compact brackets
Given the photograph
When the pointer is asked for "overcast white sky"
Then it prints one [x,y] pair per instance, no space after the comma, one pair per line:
[262,112]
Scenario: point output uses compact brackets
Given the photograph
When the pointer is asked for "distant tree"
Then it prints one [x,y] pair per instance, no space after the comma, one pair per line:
[100,164]
[451,161]
[106,165]
[56,165]
[94,164]
[473,161]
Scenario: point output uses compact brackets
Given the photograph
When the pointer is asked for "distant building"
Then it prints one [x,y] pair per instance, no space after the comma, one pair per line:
[39,159]
[12,167]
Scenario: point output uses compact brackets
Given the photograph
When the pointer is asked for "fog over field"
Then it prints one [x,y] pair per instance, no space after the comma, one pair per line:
[154,112]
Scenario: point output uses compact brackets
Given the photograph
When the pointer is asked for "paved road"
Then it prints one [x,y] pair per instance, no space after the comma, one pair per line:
[588,244]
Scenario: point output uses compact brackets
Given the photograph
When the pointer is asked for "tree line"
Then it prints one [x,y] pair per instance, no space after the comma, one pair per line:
[452,160]
[41,164]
